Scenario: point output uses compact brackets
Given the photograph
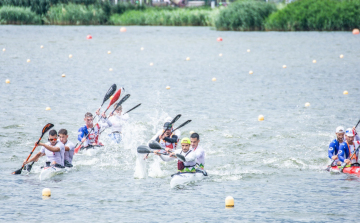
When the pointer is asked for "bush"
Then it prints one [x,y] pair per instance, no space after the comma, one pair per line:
[18,15]
[244,16]
[316,15]
[72,14]
[176,17]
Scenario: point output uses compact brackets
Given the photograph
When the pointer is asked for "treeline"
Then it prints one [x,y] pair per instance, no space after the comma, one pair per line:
[243,15]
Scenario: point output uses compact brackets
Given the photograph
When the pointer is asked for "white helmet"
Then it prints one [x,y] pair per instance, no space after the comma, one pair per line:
[340,129]
[350,132]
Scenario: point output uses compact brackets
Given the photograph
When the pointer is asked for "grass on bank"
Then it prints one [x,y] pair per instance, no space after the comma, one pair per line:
[18,16]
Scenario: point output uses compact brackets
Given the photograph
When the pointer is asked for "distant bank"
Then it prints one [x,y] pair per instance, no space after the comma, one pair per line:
[243,15]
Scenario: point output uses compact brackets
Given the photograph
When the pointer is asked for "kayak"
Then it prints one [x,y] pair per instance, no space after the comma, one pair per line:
[182,178]
[349,170]
[50,171]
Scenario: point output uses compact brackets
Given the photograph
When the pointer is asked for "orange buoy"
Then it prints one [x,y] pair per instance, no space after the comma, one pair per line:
[219,39]
[355,31]
[88,37]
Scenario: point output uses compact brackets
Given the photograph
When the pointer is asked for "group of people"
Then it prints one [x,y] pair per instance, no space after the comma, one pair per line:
[343,149]
[194,154]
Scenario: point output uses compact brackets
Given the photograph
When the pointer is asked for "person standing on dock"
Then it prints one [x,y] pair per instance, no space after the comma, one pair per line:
[335,145]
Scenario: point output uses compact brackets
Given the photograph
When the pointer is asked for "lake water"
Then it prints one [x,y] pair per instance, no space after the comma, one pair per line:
[274,169]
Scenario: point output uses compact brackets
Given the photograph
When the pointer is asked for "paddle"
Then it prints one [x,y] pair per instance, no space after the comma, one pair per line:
[343,165]
[44,130]
[332,163]
[182,125]
[114,99]
[132,109]
[108,94]
[146,149]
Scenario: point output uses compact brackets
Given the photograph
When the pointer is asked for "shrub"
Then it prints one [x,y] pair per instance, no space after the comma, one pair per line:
[18,15]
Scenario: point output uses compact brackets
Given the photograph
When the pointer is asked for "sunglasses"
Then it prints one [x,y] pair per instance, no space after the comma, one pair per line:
[52,139]
[89,119]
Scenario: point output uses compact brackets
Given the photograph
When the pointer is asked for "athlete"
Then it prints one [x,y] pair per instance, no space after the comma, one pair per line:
[69,147]
[348,148]
[93,131]
[335,144]
[54,151]
[199,151]
[117,121]
[166,137]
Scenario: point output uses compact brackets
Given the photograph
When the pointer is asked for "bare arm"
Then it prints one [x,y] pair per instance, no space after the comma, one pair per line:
[34,158]
[67,148]
[51,148]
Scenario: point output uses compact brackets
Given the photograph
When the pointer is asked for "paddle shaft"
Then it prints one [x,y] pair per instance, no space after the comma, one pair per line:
[342,168]
[132,109]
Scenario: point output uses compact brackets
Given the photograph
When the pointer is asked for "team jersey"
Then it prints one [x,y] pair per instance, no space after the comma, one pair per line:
[69,154]
[333,148]
[58,157]
[93,137]
[117,122]
[200,156]
[345,152]
[169,142]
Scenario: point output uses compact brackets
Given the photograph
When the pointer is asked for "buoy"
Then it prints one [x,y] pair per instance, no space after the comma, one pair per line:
[251,72]
[187,58]
[341,56]
[307,104]
[168,87]
[47,108]
[111,97]
[46,192]
[284,66]
[151,64]
[261,118]
[220,55]
[110,69]
[88,37]
[219,39]
[214,79]
[248,50]
[7,81]
[4,49]
[345,92]
[314,61]
[355,31]
[63,75]
[191,132]
[70,56]
[28,60]
[229,202]
[142,48]
[122,29]
[109,52]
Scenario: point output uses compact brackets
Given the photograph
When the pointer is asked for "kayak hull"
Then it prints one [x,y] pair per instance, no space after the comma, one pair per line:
[355,170]
[50,171]
[186,178]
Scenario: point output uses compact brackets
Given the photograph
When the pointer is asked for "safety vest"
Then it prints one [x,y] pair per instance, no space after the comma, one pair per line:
[187,166]
[166,144]
[94,135]
[355,158]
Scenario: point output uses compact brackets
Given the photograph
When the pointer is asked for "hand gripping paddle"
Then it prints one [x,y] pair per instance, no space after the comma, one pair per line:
[46,128]
[155,145]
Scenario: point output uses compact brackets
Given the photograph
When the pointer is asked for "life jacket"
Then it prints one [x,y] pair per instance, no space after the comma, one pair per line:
[355,158]
[183,168]
[166,144]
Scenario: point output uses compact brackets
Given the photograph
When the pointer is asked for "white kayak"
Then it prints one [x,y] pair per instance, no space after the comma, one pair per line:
[50,171]
[182,178]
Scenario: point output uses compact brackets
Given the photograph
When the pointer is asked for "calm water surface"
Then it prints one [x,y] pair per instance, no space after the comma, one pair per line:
[273,169]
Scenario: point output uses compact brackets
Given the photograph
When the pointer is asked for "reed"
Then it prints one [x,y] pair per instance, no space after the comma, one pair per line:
[18,16]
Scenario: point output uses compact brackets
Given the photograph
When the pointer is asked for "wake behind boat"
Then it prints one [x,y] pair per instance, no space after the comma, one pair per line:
[353,169]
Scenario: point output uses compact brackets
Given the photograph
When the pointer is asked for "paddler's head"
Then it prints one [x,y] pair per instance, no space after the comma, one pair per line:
[63,135]
[53,137]
[340,133]
[185,144]
[118,110]
[350,134]
[195,139]
[89,120]
[167,128]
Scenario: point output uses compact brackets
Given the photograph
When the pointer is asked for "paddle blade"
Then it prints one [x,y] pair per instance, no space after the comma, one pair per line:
[155,145]
[143,149]
[115,98]
[175,119]
[77,149]
[18,171]
[180,157]
[108,94]
[46,128]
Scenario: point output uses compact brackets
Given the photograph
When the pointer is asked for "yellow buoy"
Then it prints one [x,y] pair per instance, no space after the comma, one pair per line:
[187,58]
[4,49]
[46,192]
[345,92]
[261,118]
[251,72]
[229,202]
[142,48]
[220,55]
[110,69]
[111,97]
[168,87]
[307,104]
[191,132]
[41,46]
[122,29]
[70,56]
[47,108]
[314,61]
[248,50]
[28,60]
[109,52]
[63,75]
[214,79]
[7,81]
[341,56]
[284,66]
[151,64]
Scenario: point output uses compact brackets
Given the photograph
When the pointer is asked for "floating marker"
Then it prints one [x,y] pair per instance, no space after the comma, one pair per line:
[229,202]
[187,58]
[109,52]
[251,72]
[151,64]
[355,31]
[191,132]
[4,49]
[46,192]
[168,87]
[122,29]
[47,108]
[261,118]
[63,75]
[341,56]
[41,46]
[219,39]
[214,79]
[314,61]
[7,81]
[88,37]
[345,92]
[220,55]
[110,69]
[70,56]
[28,60]
[307,104]
[248,50]
[284,66]
[111,97]
[142,48]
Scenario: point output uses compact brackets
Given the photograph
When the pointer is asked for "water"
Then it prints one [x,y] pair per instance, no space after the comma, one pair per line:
[273,169]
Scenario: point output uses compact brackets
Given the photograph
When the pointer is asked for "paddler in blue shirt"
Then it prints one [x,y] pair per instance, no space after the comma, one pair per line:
[348,148]
[335,144]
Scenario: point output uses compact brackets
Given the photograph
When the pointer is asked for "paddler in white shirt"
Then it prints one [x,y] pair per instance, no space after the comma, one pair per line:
[69,147]
[117,121]
[54,151]
[199,151]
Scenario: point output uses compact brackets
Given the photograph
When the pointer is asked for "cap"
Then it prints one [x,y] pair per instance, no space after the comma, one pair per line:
[340,129]
[186,140]
[349,132]
[167,125]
